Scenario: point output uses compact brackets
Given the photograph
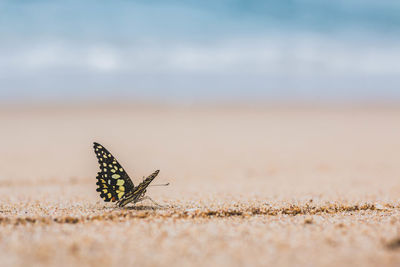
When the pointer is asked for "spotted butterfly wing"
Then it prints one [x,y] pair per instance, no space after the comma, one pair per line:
[113,182]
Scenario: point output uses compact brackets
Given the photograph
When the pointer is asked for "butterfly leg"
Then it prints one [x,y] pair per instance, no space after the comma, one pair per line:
[149,198]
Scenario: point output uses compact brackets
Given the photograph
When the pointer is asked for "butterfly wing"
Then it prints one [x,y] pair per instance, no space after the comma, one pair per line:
[138,191]
[113,182]
[146,182]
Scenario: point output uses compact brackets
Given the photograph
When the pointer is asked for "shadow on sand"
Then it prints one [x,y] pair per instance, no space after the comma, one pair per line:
[146,207]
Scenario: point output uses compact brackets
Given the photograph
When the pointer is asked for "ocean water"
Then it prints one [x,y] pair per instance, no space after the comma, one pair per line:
[200,50]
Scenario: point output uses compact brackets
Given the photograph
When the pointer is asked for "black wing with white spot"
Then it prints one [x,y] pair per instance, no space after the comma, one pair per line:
[113,182]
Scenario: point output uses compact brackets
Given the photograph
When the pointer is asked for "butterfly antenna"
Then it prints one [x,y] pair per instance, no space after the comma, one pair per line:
[159,184]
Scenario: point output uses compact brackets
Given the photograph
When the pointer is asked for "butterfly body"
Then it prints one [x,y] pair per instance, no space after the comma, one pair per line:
[114,184]
[138,192]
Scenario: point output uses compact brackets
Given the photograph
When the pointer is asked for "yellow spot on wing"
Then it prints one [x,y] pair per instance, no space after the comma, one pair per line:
[99,146]
[116,168]
[109,195]
[104,190]
[105,170]
[120,182]
[112,170]
[104,164]
[120,194]
[121,170]
[116,176]
[121,188]
[104,156]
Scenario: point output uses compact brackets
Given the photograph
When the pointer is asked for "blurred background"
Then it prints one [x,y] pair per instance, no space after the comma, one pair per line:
[150,80]
[200,51]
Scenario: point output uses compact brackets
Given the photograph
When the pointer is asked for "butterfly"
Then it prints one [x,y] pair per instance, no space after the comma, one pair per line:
[114,183]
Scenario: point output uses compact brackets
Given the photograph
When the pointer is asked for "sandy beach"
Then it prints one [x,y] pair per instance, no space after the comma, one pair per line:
[249,186]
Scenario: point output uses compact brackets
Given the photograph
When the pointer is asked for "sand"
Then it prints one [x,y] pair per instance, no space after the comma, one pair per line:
[254,186]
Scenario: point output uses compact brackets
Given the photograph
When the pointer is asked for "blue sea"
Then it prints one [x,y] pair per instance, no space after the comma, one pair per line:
[189,51]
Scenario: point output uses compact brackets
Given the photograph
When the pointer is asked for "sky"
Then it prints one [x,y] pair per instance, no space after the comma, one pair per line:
[189,51]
